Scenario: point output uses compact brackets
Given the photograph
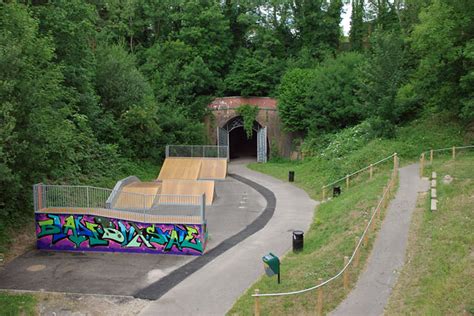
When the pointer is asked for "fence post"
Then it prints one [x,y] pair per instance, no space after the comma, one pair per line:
[373,221]
[346,273]
[167,150]
[371,170]
[40,196]
[320,298]
[324,192]
[422,164]
[203,207]
[454,152]
[88,200]
[357,253]
[395,161]
[347,181]
[366,236]
[257,303]
[431,156]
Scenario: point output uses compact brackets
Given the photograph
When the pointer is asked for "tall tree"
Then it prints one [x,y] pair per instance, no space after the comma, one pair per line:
[358,28]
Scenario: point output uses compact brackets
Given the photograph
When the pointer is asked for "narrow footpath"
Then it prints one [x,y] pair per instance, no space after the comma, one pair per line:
[213,289]
[375,284]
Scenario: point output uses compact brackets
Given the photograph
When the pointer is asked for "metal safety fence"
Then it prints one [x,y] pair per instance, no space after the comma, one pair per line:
[50,197]
[197,151]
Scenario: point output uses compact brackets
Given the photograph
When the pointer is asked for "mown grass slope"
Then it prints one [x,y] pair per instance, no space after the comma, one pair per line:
[438,276]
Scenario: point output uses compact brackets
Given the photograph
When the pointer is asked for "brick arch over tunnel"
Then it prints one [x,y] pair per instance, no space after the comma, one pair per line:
[223,110]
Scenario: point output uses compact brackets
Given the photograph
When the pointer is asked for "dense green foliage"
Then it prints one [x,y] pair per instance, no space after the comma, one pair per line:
[414,56]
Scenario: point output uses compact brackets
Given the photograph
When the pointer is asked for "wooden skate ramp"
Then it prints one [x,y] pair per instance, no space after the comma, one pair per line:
[187,187]
[213,169]
[132,195]
[180,168]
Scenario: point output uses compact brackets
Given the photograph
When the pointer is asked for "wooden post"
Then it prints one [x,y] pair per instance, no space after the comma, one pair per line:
[454,152]
[347,181]
[373,220]
[431,156]
[324,193]
[257,303]
[422,164]
[357,253]
[346,273]
[40,196]
[366,236]
[320,298]
[371,170]
[394,161]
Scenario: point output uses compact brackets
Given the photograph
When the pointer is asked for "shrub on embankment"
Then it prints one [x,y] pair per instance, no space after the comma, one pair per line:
[332,156]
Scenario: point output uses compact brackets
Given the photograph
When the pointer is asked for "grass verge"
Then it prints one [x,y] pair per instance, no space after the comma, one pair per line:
[17,304]
[437,278]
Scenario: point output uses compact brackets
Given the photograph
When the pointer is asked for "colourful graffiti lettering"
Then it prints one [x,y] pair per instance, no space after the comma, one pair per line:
[84,232]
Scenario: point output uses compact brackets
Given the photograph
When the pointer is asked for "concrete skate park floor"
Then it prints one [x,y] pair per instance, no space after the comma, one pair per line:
[236,205]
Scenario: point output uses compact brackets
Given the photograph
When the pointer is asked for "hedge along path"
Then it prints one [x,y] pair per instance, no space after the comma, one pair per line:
[354,258]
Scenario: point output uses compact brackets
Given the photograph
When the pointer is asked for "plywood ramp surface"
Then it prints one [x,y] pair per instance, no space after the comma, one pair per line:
[213,169]
[188,187]
[180,168]
[137,195]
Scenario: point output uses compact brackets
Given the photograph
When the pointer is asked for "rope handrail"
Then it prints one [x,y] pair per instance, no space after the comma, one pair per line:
[360,170]
[448,148]
[349,261]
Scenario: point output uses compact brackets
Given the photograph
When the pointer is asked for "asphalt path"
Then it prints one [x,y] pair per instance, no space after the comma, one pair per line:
[387,257]
[215,286]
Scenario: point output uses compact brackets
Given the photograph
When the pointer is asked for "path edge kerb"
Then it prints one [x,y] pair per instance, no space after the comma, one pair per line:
[156,290]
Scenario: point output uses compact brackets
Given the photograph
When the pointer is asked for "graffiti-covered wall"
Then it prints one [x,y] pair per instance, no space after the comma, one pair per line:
[96,233]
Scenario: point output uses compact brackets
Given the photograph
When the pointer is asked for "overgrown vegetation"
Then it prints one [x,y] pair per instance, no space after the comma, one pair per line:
[437,276]
[249,114]
[332,156]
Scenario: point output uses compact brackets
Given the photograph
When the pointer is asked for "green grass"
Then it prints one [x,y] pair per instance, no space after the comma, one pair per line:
[438,280]
[17,304]
[331,237]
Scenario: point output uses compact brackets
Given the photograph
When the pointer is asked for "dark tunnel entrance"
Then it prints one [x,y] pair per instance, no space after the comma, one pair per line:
[240,146]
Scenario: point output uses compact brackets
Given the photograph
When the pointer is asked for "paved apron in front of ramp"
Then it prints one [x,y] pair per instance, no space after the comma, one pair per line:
[122,273]
[213,289]
[387,257]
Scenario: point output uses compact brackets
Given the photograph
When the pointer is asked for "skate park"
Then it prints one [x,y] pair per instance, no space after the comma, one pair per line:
[229,209]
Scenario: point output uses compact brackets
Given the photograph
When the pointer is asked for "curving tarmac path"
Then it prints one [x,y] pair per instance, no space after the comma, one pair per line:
[213,288]
[387,257]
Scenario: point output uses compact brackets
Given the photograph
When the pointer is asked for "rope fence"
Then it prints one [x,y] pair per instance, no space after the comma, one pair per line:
[348,176]
[360,241]
[431,152]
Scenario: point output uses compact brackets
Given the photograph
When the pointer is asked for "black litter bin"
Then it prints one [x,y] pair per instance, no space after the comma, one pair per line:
[298,237]
[336,191]
[291,176]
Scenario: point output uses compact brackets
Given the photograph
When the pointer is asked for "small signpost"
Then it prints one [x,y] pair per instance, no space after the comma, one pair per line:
[271,263]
